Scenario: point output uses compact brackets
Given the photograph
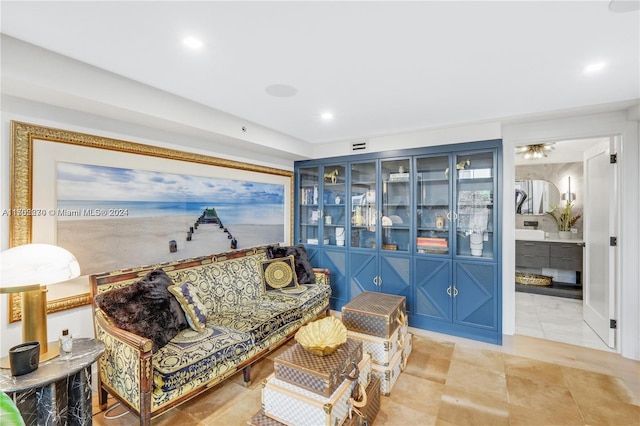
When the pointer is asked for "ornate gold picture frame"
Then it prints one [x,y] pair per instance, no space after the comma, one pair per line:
[27,138]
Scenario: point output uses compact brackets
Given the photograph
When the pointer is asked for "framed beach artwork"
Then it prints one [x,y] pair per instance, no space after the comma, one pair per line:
[117,204]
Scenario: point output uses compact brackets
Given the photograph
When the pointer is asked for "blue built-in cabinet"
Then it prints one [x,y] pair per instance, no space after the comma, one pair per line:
[423,223]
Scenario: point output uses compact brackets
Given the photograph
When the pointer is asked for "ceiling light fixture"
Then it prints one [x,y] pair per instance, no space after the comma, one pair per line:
[192,42]
[594,67]
[327,116]
[535,151]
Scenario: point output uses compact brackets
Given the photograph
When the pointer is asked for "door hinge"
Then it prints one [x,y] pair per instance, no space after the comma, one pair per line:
[613,241]
[613,158]
[613,323]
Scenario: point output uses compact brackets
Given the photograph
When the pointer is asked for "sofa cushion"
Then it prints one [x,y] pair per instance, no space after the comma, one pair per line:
[145,308]
[259,317]
[187,295]
[278,274]
[192,354]
[304,271]
[315,295]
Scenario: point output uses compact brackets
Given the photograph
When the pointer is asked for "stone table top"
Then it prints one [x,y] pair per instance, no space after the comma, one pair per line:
[85,352]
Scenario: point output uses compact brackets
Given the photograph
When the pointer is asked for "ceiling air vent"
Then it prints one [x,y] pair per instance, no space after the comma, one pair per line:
[359,146]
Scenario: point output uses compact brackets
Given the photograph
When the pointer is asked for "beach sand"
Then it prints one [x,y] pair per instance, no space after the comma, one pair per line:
[102,245]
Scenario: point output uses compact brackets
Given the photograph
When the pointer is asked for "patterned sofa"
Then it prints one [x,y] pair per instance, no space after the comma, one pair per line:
[244,323]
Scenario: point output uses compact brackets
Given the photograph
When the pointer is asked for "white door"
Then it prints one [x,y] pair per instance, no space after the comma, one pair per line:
[599,225]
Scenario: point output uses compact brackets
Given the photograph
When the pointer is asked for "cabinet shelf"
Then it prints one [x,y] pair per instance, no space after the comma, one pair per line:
[474,180]
[434,206]
[441,181]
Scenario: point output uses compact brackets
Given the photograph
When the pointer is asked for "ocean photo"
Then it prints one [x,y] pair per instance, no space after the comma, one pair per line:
[114,218]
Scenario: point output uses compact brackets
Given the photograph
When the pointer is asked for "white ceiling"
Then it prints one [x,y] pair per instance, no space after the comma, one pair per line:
[380,67]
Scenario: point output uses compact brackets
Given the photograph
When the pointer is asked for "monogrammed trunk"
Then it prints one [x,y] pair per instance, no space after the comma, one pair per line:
[406,345]
[319,374]
[382,350]
[366,415]
[294,405]
[377,314]
[389,374]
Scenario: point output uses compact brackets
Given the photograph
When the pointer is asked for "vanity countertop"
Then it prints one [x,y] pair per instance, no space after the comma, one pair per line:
[554,240]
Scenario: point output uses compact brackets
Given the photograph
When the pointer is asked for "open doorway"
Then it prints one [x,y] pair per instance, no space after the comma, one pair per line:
[550,283]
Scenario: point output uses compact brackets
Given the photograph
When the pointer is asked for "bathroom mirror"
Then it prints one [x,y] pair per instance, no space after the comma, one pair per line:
[535,197]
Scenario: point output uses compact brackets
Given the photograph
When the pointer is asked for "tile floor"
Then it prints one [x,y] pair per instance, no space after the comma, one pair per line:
[555,318]
[454,381]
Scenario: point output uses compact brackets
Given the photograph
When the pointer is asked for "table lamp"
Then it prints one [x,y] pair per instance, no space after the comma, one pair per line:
[27,269]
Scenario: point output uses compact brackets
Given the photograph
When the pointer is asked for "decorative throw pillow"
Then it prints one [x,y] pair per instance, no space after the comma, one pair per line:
[303,268]
[195,310]
[145,308]
[277,274]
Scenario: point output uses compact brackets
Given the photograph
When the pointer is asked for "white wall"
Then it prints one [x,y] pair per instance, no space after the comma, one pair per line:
[429,137]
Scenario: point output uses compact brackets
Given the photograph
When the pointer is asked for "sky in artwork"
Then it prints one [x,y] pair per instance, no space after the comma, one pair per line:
[91,182]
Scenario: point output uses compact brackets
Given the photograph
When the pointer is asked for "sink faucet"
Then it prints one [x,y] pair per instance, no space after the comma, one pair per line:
[533,223]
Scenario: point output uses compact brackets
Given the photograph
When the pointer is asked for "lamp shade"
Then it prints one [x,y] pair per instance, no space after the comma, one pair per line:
[35,264]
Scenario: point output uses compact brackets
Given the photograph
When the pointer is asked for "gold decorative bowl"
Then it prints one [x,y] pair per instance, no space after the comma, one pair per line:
[322,337]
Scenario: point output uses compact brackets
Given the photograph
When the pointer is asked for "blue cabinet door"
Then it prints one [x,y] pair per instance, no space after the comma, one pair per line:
[313,254]
[336,262]
[433,291]
[395,277]
[363,272]
[476,298]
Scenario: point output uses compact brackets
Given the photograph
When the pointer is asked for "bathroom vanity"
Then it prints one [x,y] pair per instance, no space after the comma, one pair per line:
[558,254]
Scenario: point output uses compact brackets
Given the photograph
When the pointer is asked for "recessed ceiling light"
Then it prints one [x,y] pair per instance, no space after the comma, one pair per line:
[192,42]
[594,67]
[281,90]
[327,116]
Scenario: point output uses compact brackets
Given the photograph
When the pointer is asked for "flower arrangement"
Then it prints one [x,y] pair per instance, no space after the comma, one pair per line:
[563,216]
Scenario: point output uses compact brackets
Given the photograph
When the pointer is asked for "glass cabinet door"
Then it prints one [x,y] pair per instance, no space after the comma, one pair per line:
[333,208]
[396,202]
[474,204]
[364,213]
[433,205]
[309,208]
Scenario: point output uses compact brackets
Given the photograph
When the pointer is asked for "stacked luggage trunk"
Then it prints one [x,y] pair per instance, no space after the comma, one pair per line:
[320,390]
[379,321]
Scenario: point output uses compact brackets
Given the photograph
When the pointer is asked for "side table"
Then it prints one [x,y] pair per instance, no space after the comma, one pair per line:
[59,391]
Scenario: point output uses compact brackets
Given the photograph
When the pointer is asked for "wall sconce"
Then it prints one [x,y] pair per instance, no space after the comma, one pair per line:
[28,269]
[569,196]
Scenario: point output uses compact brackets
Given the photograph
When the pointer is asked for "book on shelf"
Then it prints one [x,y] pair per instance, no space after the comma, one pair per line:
[309,196]
[428,242]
